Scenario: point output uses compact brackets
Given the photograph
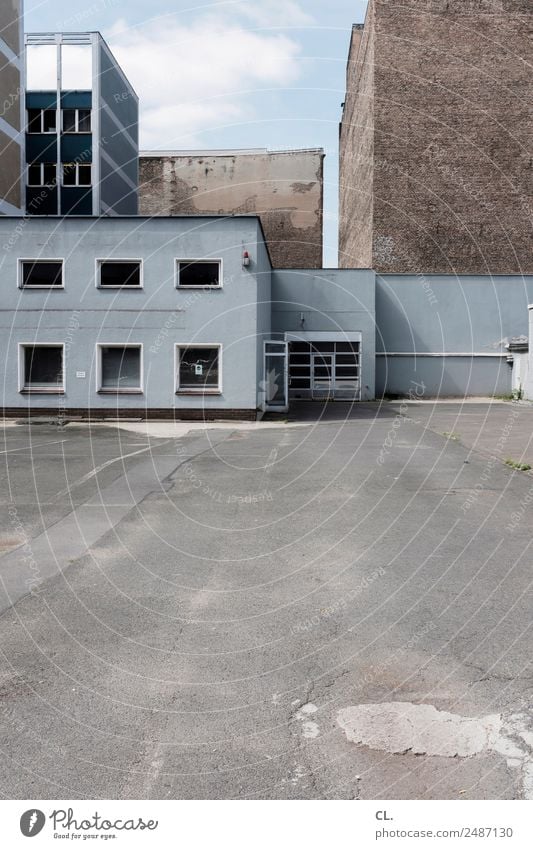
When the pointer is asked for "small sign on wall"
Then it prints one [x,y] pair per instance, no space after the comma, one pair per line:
[198,370]
[80,374]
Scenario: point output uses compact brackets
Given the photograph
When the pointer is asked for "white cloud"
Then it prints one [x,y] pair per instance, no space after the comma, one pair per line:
[192,77]
[275,13]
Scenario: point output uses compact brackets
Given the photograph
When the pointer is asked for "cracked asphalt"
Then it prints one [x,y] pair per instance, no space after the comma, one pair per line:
[190,615]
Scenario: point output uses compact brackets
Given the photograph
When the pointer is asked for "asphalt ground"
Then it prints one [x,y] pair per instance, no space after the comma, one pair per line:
[191,615]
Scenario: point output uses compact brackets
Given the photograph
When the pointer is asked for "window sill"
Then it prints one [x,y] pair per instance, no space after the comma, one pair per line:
[120,392]
[42,288]
[130,288]
[198,392]
[205,288]
[54,391]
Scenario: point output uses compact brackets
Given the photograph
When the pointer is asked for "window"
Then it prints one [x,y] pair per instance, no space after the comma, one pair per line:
[42,174]
[42,121]
[199,274]
[120,368]
[42,368]
[199,368]
[41,274]
[75,174]
[119,274]
[76,120]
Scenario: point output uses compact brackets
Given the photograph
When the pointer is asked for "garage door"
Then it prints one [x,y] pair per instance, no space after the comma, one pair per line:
[325,370]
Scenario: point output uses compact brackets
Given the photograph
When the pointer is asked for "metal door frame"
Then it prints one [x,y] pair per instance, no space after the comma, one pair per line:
[266,405]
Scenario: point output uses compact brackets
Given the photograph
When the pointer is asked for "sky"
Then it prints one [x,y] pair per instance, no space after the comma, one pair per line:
[228,74]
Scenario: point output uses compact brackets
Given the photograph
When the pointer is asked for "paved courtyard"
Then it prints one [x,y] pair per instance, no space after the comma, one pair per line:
[329,606]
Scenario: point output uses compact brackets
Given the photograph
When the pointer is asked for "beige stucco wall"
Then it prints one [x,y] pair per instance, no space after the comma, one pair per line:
[11,102]
[11,23]
[285,189]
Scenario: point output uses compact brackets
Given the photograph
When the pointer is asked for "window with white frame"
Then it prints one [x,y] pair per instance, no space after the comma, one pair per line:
[198,368]
[120,368]
[41,368]
[119,274]
[41,274]
[198,274]
[76,120]
[42,121]
[42,174]
[77,174]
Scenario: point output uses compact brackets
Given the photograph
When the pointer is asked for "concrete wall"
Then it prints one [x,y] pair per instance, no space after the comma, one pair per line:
[285,189]
[333,300]
[449,333]
[452,132]
[11,107]
[119,137]
[158,316]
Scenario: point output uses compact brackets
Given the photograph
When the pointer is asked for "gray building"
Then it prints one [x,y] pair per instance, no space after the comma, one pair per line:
[449,333]
[11,107]
[174,317]
[186,317]
[82,128]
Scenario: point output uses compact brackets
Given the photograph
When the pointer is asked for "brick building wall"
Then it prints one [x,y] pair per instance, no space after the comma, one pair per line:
[450,161]
[284,188]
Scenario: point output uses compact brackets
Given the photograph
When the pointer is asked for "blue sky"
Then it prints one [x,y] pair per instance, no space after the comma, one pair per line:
[246,73]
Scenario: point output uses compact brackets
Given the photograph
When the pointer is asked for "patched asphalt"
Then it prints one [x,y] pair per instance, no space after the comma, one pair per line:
[204,607]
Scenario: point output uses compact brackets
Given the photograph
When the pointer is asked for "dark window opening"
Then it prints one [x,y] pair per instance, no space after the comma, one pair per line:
[121,367]
[75,174]
[42,121]
[198,368]
[49,120]
[42,274]
[69,120]
[84,121]
[118,274]
[43,367]
[199,274]
[42,174]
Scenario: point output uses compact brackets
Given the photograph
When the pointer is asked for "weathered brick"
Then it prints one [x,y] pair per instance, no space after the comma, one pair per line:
[436,155]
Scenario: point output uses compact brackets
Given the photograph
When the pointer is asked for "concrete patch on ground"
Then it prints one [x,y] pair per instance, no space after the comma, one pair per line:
[402,727]
[310,728]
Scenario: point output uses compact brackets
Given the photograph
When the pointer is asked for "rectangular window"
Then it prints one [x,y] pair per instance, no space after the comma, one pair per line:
[120,368]
[42,174]
[42,368]
[119,274]
[42,121]
[198,368]
[76,120]
[76,174]
[41,274]
[199,274]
